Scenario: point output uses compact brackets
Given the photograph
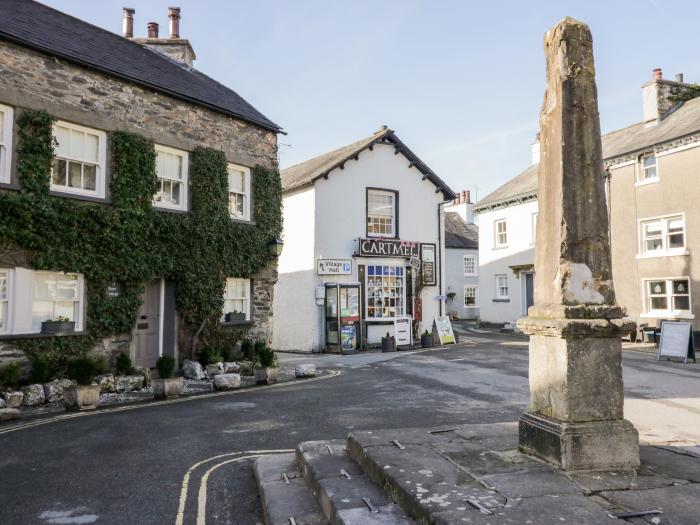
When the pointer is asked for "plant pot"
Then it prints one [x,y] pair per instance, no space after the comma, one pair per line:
[388,344]
[426,340]
[232,317]
[266,376]
[57,327]
[81,397]
[167,388]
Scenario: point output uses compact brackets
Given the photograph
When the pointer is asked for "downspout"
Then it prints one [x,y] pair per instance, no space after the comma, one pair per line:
[439,250]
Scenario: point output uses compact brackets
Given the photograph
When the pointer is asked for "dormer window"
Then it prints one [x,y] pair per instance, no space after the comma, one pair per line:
[648,169]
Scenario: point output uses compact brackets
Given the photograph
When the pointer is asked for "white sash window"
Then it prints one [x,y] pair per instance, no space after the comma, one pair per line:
[79,163]
[171,169]
[239,192]
[5,143]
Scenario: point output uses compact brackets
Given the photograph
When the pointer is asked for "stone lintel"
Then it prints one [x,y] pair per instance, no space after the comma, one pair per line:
[575,328]
[593,445]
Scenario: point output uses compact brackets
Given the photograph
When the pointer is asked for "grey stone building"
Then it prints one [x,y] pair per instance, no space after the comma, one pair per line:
[95,83]
[461,260]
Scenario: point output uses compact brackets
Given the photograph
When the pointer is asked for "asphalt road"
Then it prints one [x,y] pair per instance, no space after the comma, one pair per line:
[190,462]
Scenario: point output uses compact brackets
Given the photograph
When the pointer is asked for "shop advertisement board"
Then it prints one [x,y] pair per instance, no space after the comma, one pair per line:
[677,341]
[402,330]
[334,267]
[387,248]
[348,337]
[444,330]
[428,264]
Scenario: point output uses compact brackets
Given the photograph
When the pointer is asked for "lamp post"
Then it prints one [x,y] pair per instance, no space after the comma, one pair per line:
[274,248]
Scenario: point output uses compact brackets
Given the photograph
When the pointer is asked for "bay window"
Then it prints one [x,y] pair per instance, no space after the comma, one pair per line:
[236,300]
[663,235]
[171,169]
[5,143]
[78,166]
[239,192]
[667,297]
[381,213]
[385,288]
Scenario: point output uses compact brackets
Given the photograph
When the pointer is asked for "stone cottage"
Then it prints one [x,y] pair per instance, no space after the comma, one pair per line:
[100,91]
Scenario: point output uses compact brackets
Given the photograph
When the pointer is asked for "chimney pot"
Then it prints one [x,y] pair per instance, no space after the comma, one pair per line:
[152,29]
[128,22]
[657,74]
[679,77]
[174,18]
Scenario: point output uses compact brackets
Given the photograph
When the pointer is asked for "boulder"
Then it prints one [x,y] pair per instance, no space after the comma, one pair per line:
[8,414]
[215,369]
[53,391]
[305,370]
[246,368]
[13,399]
[128,383]
[231,368]
[106,382]
[145,373]
[193,370]
[33,395]
[227,381]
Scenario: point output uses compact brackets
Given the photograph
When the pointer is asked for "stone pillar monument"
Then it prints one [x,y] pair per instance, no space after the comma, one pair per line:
[575,418]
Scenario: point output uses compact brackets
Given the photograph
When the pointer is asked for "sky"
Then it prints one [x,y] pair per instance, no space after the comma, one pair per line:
[461,82]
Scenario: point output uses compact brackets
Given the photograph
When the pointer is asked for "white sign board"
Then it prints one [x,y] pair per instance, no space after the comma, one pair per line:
[677,341]
[334,267]
[402,330]
[415,262]
[444,330]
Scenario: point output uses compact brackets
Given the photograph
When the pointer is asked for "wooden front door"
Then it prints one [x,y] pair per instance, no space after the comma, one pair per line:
[147,329]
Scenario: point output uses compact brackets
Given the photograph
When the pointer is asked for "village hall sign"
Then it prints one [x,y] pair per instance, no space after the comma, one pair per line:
[388,248]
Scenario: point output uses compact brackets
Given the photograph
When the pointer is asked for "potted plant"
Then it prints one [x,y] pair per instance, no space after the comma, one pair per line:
[266,366]
[235,316]
[86,394]
[388,343]
[166,386]
[426,339]
[59,325]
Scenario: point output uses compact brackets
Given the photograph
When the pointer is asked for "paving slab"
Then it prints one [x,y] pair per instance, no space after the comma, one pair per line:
[678,503]
[593,482]
[664,461]
[526,484]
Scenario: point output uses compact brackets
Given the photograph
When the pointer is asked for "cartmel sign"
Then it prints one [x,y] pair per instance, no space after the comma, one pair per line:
[388,248]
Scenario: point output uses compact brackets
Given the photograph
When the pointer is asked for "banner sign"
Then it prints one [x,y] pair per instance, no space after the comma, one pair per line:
[348,337]
[387,248]
[444,330]
[677,341]
[428,264]
[334,267]
[402,330]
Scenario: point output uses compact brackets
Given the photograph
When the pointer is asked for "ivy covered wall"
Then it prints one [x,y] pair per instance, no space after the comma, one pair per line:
[131,242]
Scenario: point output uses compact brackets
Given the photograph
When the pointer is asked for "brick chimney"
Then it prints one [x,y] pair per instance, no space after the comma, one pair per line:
[463,206]
[656,95]
[128,22]
[174,47]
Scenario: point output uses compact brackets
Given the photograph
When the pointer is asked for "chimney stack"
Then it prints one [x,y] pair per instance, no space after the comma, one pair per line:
[679,77]
[657,74]
[658,94]
[128,22]
[174,17]
[152,29]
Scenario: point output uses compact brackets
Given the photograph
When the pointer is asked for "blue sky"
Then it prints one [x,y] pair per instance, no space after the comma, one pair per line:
[461,82]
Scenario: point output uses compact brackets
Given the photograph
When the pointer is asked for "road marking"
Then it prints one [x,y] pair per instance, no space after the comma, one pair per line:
[63,417]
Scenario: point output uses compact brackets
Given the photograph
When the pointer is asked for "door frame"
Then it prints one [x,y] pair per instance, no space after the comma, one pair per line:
[525,276]
[336,287]
[160,284]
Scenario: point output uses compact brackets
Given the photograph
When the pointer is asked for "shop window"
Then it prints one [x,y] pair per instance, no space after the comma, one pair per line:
[471,296]
[470,266]
[79,163]
[648,169]
[385,291]
[171,168]
[236,300]
[5,143]
[55,295]
[663,235]
[668,297]
[500,233]
[381,213]
[4,300]
[239,192]
[502,291]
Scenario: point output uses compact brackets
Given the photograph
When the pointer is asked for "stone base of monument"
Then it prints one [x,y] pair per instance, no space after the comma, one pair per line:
[593,445]
[465,474]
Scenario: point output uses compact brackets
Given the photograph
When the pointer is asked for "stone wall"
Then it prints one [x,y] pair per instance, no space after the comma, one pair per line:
[263,292]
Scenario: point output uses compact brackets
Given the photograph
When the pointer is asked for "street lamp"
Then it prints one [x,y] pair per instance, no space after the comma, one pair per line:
[274,247]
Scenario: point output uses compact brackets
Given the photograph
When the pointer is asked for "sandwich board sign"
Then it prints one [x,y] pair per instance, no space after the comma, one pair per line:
[444,330]
[677,341]
[402,330]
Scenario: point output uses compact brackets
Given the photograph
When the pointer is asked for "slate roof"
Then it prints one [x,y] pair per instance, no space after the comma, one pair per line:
[42,28]
[309,171]
[633,139]
[459,234]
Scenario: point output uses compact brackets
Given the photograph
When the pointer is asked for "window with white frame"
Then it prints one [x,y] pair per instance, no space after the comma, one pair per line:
[502,291]
[4,300]
[236,300]
[171,169]
[471,296]
[648,168]
[663,235]
[239,192]
[500,231]
[470,266]
[534,227]
[79,162]
[56,295]
[5,143]
[385,291]
[667,297]
[381,213]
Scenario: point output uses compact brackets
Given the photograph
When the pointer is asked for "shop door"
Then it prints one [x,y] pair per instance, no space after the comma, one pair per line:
[343,317]
[147,329]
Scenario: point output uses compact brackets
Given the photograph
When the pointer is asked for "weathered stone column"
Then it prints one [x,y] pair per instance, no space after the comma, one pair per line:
[575,418]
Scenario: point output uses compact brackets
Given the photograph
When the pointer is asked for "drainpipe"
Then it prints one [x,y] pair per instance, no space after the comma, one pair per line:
[439,250]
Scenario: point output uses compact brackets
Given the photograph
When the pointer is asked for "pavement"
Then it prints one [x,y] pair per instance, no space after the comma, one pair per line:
[190,461]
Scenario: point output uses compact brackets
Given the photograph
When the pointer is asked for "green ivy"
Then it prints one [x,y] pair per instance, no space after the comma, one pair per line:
[685,94]
[131,242]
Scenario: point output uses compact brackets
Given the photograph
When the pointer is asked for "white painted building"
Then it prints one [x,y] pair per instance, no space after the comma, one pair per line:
[352,220]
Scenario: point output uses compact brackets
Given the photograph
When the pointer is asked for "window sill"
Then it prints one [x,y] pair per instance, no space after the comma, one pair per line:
[500,300]
[237,323]
[502,247]
[385,320]
[171,210]
[654,255]
[79,196]
[667,315]
[39,335]
[646,182]
[243,221]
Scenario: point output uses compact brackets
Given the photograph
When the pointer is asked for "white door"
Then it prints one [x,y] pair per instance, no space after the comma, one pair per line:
[147,329]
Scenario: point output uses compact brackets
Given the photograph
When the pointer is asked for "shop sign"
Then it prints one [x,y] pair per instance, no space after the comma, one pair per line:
[115,289]
[334,267]
[428,264]
[402,330]
[415,263]
[388,248]
[444,330]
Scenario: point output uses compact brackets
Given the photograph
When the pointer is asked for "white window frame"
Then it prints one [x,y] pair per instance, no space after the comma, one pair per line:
[394,219]
[641,178]
[664,234]
[247,297]
[78,301]
[474,265]
[499,286]
[6,144]
[498,235]
[669,312]
[101,172]
[184,181]
[6,301]
[246,191]
[476,296]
